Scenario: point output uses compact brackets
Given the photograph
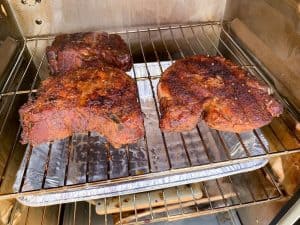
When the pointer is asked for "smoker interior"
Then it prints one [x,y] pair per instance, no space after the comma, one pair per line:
[184,152]
[149,43]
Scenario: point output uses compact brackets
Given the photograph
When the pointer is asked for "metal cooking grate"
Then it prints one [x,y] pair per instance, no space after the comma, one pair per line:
[171,204]
[138,162]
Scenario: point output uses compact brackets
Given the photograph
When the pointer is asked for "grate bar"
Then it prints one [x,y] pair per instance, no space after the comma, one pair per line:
[69,153]
[59,214]
[161,70]
[4,94]
[74,213]
[44,214]
[14,68]
[19,129]
[165,46]
[226,150]
[150,205]
[139,100]
[194,199]
[178,46]
[261,142]
[27,215]
[10,155]
[14,96]
[277,137]
[46,166]
[198,41]
[221,192]
[165,203]
[18,86]
[249,189]
[243,145]
[208,196]
[90,214]
[51,37]
[226,46]
[204,145]
[105,209]
[179,200]
[120,209]
[154,99]
[273,179]
[135,210]
[263,186]
[188,42]
[289,128]
[26,92]
[235,190]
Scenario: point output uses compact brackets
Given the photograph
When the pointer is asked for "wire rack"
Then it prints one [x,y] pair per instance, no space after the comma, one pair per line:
[181,202]
[159,45]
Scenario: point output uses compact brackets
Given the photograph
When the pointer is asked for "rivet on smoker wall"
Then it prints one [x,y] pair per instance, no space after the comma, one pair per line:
[38,21]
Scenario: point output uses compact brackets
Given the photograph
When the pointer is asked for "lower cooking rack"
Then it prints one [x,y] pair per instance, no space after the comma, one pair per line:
[158,155]
[180,202]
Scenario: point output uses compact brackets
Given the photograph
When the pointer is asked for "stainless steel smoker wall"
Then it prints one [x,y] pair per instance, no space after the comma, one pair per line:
[50,17]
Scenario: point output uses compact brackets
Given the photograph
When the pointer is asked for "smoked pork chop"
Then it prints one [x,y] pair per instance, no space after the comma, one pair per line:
[81,50]
[216,89]
[103,100]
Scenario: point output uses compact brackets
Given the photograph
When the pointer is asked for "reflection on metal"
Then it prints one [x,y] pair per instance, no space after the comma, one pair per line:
[85,15]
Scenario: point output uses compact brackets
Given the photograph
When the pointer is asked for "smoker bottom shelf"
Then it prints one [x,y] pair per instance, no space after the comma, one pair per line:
[181,202]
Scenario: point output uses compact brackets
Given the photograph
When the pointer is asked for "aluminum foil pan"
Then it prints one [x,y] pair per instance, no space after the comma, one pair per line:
[35,174]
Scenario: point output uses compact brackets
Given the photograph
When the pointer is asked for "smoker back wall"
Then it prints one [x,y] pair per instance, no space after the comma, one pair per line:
[69,16]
